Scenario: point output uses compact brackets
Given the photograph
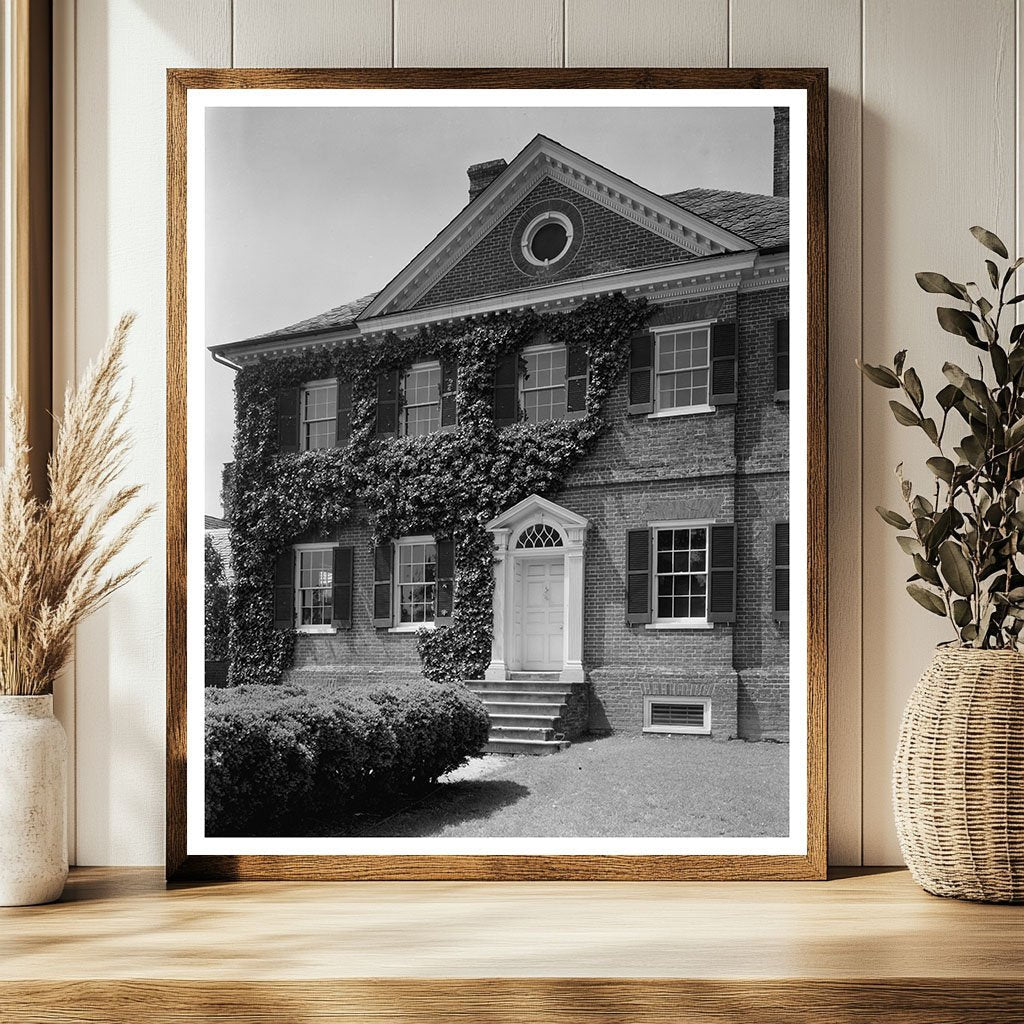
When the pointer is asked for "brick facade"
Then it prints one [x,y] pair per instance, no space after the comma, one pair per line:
[359,652]
[730,464]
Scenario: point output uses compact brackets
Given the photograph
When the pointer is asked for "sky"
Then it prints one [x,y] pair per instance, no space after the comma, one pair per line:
[307,208]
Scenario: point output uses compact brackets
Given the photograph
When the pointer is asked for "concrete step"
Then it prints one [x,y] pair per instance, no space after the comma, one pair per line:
[520,697]
[508,707]
[535,685]
[524,721]
[501,732]
[525,746]
[552,676]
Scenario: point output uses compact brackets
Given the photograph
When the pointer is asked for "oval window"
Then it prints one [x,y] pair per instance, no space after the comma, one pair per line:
[549,242]
[547,238]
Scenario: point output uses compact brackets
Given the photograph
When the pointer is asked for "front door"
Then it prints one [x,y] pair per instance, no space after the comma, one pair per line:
[543,596]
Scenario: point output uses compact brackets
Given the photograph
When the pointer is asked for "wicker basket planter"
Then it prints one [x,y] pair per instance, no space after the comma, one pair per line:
[958,776]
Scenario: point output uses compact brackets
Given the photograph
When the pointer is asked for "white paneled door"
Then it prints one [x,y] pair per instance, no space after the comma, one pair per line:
[543,614]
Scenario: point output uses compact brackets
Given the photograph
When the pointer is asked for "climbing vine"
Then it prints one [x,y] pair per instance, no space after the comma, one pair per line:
[449,484]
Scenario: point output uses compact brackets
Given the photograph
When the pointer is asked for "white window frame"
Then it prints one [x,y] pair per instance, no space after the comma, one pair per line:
[396,586]
[297,579]
[673,623]
[427,364]
[679,410]
[541,220]
[547,346]
[308,386]
[691,730]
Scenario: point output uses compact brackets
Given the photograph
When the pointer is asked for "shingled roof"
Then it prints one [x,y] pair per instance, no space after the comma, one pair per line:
[763,220]
[344,315]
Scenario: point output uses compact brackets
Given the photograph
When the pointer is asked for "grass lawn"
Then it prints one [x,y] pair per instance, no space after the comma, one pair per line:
[612,786]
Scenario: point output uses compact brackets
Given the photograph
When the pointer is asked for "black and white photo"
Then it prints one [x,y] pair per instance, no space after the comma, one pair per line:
[498,476]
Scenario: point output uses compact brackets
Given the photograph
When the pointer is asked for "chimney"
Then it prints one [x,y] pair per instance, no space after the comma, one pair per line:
[481,175]
[781,175]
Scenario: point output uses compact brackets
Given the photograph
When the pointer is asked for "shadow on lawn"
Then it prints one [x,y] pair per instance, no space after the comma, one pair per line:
[447,805]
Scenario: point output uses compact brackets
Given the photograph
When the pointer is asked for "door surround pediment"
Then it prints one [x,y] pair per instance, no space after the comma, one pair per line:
[507,528]
[535,509]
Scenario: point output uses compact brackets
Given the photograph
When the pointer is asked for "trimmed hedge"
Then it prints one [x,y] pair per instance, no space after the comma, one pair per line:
[277,756]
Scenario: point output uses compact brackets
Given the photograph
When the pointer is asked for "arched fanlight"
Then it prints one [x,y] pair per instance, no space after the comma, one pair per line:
[539,535]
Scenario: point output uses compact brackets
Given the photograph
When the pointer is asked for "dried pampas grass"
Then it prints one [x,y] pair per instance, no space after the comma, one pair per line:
[56,556]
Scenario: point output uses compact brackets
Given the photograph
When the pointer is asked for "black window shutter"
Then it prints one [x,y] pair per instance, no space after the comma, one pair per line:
[449,393]
[782,355]
[343,428]
[780,589]
[577,366]
[341,582]
[724,364]
[722,573]
[506,389]
[638,575]
[288,420]
[383,556]
[387,403]
[284,590]
[641,373]
[445,581]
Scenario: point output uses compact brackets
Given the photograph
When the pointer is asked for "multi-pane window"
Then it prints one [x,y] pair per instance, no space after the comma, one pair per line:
[422,399]
[314,591]
[681,369]
[319,413]
[417,581]
[782,357]
[681,572]
[543,386]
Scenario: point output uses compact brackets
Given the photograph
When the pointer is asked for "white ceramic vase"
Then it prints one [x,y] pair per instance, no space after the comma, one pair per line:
[33,802]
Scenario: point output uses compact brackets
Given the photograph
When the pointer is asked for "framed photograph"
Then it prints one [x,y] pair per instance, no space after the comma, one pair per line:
[496,474]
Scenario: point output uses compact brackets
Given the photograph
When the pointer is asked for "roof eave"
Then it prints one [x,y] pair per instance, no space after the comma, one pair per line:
[553,296]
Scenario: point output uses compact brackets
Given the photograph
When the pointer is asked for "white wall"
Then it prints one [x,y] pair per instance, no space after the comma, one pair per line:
[925,141]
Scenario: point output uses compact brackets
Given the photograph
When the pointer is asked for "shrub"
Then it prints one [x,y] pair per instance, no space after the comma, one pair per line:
[279,756]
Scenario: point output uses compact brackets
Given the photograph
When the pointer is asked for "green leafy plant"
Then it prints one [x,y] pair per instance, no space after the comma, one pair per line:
[965,534]
[216,608]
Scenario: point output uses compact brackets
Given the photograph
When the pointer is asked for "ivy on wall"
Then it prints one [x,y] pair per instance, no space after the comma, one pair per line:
[448,484]
[215,591]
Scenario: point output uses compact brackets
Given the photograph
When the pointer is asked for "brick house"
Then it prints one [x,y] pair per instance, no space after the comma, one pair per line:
[649,591]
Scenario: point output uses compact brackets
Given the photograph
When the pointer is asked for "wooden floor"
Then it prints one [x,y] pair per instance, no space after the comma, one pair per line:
[869,946]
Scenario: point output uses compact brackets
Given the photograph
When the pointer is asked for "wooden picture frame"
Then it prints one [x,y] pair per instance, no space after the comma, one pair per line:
[809,864]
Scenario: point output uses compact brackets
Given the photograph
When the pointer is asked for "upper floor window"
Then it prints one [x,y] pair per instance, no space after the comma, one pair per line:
[318,414]
[543,384]
[782,359]
[314,604]
[682,364]
[421,412]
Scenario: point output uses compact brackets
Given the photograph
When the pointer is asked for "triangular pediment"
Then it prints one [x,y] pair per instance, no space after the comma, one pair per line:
[536,509]
[459,263]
